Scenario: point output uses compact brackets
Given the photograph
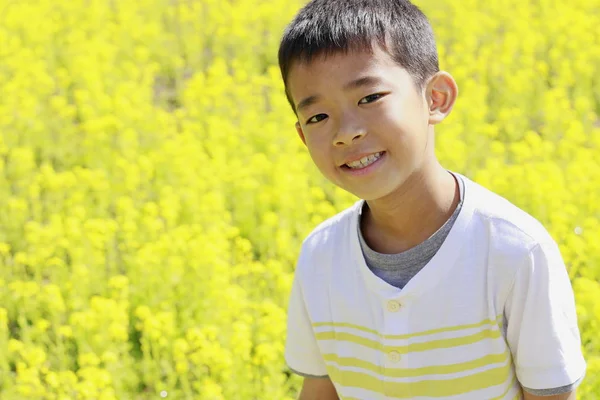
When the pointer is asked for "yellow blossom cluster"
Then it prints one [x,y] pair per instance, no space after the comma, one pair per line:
[154,194]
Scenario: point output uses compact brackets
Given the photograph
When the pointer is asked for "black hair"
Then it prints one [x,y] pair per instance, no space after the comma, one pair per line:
[325,27]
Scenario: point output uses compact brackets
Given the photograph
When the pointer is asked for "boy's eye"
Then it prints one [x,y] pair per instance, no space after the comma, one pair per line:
[316,118]
[370,98]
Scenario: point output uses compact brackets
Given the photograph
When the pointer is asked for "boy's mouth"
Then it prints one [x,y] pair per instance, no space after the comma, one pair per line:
[364,161]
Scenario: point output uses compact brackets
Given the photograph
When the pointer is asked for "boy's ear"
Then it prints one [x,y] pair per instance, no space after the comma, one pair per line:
[441,93]
[300,133]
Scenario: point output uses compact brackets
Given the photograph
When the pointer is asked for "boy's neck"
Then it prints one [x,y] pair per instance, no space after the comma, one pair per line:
[413,213]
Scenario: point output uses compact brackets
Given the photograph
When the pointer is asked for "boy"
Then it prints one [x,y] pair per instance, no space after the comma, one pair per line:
[430,287]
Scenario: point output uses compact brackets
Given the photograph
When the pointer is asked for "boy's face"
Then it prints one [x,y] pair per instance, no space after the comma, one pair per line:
[365,124]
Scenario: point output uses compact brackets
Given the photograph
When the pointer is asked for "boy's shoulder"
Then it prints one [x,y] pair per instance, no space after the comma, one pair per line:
[332,228]
[507,223]
[328,240]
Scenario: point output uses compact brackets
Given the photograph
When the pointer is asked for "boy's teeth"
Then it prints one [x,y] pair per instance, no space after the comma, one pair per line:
[363,162]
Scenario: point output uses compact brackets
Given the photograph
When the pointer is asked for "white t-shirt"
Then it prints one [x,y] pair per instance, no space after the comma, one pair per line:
[492,308]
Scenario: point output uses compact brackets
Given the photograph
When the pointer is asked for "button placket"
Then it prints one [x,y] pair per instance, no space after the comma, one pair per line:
[396,318]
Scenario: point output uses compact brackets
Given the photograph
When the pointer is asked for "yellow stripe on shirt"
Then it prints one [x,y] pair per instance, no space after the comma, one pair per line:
[413,347]
[491,322]
[417,372]
[425,388]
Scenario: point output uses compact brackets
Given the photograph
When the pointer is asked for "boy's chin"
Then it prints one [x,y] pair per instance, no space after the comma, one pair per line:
[369,195]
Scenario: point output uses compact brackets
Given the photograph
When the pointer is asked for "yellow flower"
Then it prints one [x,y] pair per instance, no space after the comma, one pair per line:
[52,379]
[3,319]
[34,356]
[118,282]
[109,357]
[88,359]
[66,331]
[42,325]
[15,346]
[4,249]
[142,312]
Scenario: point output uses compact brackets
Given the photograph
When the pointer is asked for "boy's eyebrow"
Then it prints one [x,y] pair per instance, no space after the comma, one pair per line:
[363,81]
[310,100]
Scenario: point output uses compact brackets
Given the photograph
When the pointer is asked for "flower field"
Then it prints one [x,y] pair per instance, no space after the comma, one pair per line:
[154,193]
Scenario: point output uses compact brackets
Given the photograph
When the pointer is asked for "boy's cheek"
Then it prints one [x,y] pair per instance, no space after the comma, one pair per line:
[317,145]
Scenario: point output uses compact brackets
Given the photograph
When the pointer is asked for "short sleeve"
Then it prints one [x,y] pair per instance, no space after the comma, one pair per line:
[302,353]
[542,330]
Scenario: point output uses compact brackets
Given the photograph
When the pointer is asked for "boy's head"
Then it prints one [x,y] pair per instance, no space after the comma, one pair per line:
[362,77]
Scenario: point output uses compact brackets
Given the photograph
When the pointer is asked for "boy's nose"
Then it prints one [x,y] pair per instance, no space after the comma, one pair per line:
[348,134]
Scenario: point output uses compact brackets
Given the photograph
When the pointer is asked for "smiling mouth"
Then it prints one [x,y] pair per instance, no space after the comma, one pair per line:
[364,162]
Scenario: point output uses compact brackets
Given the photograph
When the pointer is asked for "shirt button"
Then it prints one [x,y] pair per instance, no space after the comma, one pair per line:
[394,356]
[393,306]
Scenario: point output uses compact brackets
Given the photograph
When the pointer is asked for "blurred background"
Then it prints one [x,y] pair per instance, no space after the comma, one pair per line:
[154,194]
